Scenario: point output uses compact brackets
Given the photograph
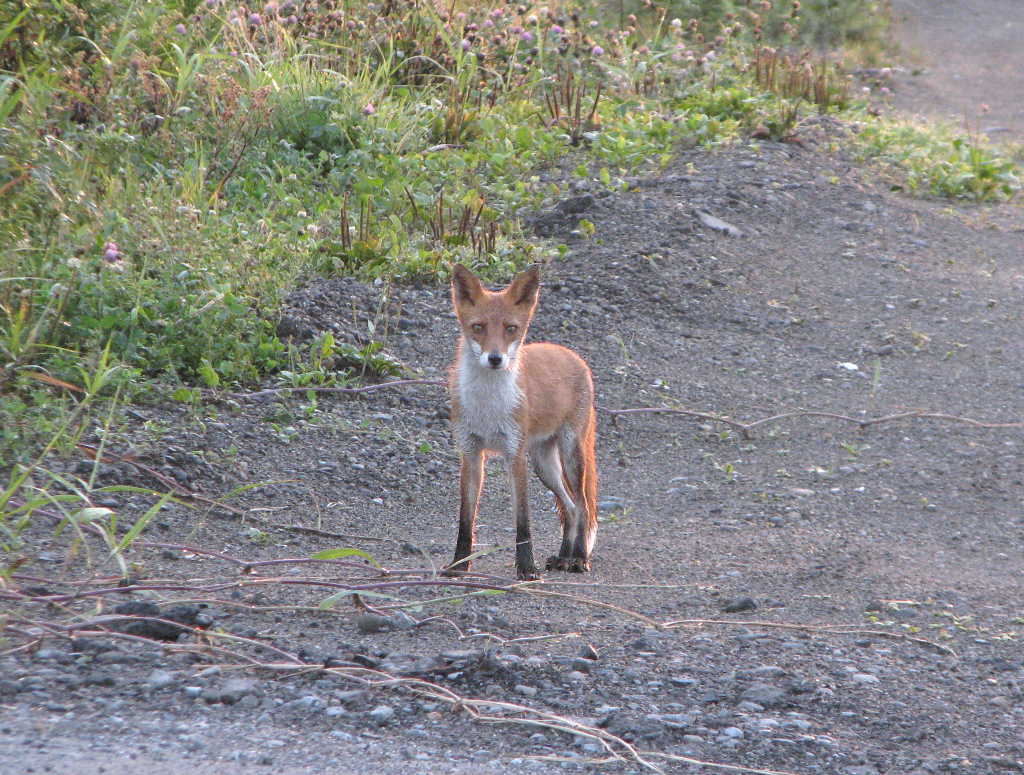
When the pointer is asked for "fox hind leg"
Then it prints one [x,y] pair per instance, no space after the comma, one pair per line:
[550,468]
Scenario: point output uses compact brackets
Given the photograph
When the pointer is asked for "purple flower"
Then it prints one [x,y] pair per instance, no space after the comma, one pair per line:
[556,29]
[466,44]
[180,29]
[526,37]
[369,109]
[255,20]
[111,253]
[596,51]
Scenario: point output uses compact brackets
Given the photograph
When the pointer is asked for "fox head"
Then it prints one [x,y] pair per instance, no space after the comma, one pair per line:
[494,323]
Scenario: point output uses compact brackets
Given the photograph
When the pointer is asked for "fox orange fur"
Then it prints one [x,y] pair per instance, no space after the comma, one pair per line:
[513,399]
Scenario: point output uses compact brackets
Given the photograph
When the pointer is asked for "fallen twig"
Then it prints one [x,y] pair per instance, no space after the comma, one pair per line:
[836,629]
[746,428]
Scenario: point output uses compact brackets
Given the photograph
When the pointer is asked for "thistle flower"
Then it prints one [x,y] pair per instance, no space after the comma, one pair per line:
[180,29]
[369,109]
[597,51]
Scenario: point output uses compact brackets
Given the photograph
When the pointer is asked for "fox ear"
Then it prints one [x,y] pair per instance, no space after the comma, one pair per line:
[466,289]
[525,287]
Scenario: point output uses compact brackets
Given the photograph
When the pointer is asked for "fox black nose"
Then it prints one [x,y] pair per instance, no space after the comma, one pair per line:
[494,359]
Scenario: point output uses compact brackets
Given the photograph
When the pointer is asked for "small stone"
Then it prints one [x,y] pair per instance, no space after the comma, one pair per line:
[864,678]
[647,643]
[382,714]
[768,671]
[582,665]
[764,694]
[370,623]
[526,691]
[734,732]
[234,689]
[737,604]
[160,679]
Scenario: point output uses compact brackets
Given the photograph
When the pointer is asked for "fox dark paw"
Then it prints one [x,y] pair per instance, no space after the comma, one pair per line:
[527,574]
[568,564]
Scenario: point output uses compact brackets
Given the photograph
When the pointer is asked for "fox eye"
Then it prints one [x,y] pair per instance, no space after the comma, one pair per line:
[511,328]
[477,328]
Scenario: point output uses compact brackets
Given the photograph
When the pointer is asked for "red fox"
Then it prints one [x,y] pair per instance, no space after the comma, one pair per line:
[512,399]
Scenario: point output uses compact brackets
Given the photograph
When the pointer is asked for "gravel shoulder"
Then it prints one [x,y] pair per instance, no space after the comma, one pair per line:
[832,597]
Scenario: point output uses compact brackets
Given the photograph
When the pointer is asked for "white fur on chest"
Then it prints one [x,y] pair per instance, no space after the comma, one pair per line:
[488,399]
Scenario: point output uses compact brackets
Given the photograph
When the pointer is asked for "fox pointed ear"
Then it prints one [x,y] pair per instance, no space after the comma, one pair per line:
[466,289]
[525,287]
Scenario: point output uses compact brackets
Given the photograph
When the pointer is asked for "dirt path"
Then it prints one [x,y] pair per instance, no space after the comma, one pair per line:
[850,597]
[967,60]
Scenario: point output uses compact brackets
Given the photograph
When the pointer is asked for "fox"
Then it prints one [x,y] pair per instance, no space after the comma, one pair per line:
[521,401]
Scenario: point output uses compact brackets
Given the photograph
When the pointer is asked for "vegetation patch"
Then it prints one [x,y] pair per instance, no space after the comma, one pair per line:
[169,170]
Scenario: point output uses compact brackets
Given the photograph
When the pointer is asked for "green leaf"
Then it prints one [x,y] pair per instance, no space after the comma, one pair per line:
[335,554]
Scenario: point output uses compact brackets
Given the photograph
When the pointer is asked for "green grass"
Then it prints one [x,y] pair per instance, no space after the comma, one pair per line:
[170,169]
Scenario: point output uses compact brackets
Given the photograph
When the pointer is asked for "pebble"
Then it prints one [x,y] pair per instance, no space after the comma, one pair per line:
[737,604]
[764,694]
[526,691]
[370,623]
[382,714]
[160,679]
[864,678]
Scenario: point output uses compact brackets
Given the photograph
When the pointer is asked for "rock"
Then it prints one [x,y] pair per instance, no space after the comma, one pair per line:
[382,714]
[160,679]
[676,720]
[737,604]
[588,652]
[235,689]
[633,728]
[9,688]
[53,655]
[765,695]
[717,224]
[370,623]
[864,678]
[768,671]
[647,642]
[189,615]
[581,665]
[526,691]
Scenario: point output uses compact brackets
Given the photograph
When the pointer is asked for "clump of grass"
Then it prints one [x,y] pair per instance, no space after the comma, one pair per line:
[940,162]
